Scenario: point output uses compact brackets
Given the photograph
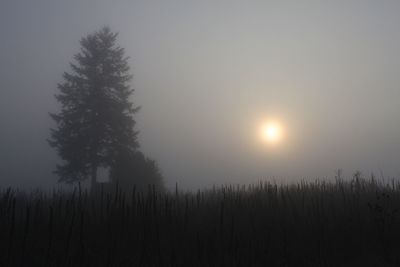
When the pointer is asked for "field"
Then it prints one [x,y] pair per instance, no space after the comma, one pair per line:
[342,223]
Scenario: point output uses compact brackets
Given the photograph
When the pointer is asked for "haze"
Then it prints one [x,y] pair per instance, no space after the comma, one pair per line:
[207,75]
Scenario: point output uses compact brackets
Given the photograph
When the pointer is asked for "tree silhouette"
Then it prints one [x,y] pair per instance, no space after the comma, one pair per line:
[96,119]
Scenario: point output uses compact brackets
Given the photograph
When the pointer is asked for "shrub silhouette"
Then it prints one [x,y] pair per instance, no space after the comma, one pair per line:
[134,169]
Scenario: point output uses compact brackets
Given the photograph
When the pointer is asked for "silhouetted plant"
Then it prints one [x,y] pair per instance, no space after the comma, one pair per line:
[134,169]
[307,224]
[96,117]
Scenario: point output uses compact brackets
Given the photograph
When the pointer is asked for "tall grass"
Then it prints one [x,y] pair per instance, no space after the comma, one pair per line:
[340,223]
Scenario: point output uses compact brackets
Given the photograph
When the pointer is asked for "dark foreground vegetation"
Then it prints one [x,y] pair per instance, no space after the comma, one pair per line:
[343,223]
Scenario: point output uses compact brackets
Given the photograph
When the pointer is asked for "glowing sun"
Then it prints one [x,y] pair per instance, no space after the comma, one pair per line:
[271,132]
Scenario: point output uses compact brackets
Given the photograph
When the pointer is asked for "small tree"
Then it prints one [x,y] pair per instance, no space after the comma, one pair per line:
[96,119]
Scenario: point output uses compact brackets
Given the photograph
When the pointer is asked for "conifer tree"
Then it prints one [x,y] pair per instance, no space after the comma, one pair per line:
[96,119]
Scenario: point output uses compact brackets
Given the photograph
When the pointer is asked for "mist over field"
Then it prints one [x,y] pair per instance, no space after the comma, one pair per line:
[199,133]
[208,75]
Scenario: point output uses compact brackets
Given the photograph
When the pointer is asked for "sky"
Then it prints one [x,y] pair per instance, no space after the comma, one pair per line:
[208,75]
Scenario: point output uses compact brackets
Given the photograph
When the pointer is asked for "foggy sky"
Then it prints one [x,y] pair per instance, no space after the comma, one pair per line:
[206,74]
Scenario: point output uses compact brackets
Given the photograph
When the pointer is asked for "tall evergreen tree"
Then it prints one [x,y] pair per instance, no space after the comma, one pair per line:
[96,119]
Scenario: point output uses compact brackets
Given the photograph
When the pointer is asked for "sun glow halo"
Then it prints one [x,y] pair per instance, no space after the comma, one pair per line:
[271,132]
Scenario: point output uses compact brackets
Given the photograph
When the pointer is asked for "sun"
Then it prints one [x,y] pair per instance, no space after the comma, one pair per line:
[271,132]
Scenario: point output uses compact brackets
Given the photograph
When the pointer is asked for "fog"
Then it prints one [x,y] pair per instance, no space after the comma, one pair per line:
[207,74]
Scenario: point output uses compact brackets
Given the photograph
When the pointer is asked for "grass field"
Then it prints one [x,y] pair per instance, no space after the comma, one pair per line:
[342,223]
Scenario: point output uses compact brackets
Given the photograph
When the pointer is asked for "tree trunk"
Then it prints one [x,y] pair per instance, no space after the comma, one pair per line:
[93,178]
